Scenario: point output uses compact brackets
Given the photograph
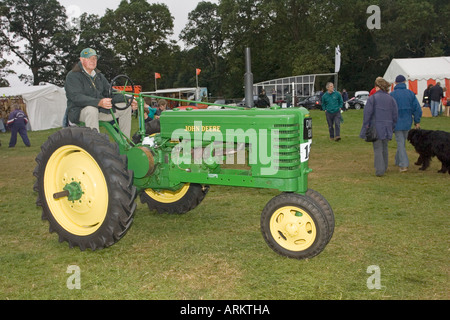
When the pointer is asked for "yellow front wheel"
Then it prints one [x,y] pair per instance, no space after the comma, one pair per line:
[294,226]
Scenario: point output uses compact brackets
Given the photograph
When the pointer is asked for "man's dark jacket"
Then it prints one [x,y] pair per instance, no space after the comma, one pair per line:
[436,93]
[83,90]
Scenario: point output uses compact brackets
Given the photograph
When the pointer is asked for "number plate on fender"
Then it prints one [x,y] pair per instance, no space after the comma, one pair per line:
[305,149]
[307,129]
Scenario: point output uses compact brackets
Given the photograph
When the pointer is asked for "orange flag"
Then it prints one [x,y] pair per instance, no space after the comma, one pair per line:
[157,75]
[198,71]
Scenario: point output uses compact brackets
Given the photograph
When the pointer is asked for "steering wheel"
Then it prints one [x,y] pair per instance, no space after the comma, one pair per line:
[128,82]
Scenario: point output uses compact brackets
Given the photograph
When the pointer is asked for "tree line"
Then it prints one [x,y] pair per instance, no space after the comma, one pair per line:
[287,38]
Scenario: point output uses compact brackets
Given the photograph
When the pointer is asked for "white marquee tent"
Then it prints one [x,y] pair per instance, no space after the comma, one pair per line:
[419,72]
[46,104]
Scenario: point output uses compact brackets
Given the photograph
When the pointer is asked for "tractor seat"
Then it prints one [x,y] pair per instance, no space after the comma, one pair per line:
[82,124]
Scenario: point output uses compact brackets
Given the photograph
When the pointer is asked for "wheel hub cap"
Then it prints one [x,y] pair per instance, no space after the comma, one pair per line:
[293,228]
[74,189]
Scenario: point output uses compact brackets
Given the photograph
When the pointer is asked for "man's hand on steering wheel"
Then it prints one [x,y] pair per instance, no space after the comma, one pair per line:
[105,103]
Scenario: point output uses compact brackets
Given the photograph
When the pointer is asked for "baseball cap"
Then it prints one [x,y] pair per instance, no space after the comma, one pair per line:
[87,53]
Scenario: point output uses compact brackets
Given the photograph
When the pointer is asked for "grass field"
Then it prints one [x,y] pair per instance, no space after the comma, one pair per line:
[399,223]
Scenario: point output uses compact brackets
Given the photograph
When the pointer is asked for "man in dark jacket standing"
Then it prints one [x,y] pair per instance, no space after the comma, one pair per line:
[86,91]
[17,121]
[436,94]
[408,110]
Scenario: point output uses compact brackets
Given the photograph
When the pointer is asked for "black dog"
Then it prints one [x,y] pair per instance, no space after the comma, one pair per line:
[431,143]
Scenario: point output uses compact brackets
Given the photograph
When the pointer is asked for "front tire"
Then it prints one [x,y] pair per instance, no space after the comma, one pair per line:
[100,206]
[293,226]
[325,207]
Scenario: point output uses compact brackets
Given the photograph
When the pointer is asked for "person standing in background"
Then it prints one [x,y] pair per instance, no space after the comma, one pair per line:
[408,109]
[380,111]
[436,94]
[344,97]
[332,104]
[17,121]
[426,96]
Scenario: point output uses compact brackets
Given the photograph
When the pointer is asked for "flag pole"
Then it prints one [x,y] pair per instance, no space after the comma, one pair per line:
[197,91]
[196,77]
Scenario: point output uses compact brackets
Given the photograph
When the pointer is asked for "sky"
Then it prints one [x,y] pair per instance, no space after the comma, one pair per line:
[179,9]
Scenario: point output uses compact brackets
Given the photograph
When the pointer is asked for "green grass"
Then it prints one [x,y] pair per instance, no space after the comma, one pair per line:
[398,222]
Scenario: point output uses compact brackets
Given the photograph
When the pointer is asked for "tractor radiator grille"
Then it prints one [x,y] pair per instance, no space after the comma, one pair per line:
[286,152]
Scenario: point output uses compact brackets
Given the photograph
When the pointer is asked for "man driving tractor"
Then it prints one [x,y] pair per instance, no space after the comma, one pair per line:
[87,92]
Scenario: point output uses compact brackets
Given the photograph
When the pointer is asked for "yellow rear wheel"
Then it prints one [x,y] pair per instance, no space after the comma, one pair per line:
[84,188]
[83,215]
[168,196]
[180,201]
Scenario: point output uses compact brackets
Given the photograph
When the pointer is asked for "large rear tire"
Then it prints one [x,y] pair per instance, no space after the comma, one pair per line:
[84,188]
[181,201]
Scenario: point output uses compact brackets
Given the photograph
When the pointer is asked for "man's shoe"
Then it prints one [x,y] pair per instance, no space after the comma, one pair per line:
[403,170]
[337,139]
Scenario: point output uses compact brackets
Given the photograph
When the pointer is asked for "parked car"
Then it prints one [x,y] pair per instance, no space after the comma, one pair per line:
[242,103]
[358,101]
[311,102]
[224,101]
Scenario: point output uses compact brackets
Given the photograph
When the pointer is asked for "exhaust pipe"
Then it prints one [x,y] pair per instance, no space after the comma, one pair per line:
[248,80]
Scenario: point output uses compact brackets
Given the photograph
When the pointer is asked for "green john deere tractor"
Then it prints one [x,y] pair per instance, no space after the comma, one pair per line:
[87,185]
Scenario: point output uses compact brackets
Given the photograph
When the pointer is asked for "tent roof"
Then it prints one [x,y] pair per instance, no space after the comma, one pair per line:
[419,68]
[25,90]
[46,104]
